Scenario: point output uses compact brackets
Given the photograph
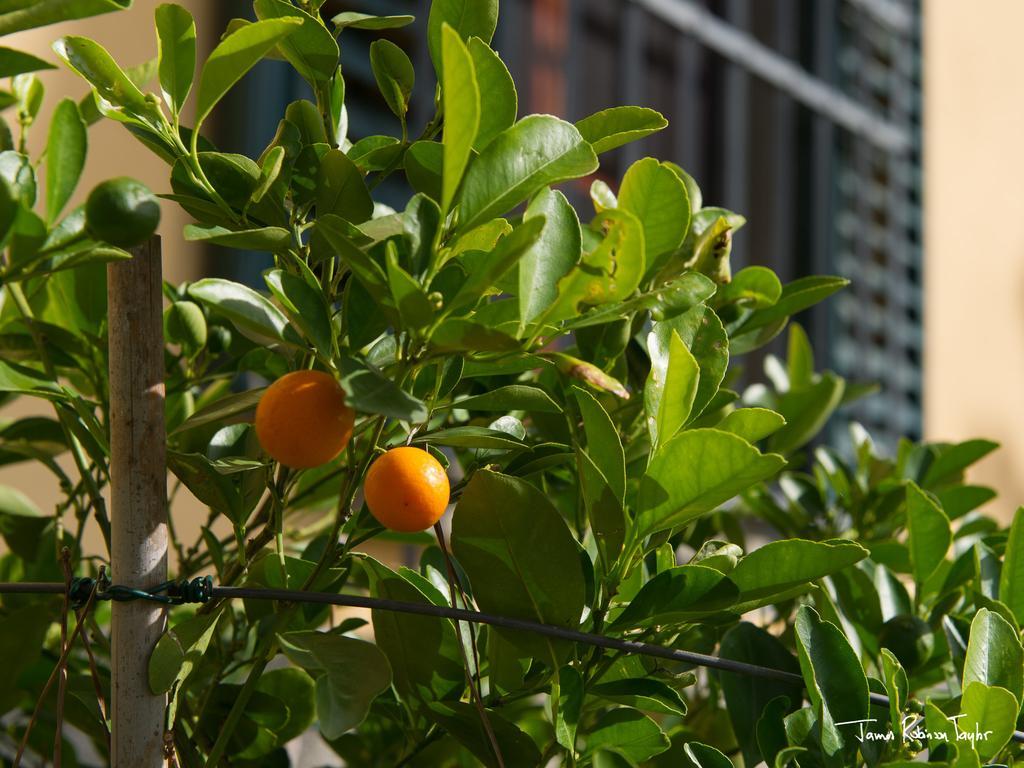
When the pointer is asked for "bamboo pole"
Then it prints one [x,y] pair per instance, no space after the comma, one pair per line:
[138,500]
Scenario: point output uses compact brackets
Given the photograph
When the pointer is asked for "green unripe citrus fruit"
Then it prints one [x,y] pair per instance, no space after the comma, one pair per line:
[184,324]
[122,212]
[909,638]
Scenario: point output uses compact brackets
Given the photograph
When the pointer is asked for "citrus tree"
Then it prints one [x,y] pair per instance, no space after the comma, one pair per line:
[562,378]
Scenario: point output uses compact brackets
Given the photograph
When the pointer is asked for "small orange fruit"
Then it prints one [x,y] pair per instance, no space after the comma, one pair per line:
[302,420]
[406,489]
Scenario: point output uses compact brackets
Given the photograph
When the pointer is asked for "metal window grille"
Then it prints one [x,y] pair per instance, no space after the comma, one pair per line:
[802,115]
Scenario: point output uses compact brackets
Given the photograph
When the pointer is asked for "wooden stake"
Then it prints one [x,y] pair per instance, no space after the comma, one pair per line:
[138,470]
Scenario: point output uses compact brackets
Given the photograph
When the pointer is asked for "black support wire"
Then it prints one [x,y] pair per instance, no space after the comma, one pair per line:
[201,590]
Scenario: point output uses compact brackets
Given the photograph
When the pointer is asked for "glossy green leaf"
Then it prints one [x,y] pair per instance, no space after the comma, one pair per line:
[246,309]
[694,472]
[552,257]
[653,193]
[670,391]
[704,756]
[664,303]
[456,334]
[17,15]
[519,554]
[424,162]
[235,55]
[262,239]
[795,297]
[340,188]
[1011,578]
[394,74]
[502,176]
[357,20]
[91,61]
[779,567]
[413,305]
[628,733]
[833,675]
[806,411]
[472,437]
[677,595]
[305,306]
[954,459]
[990,711]
[179,650]
[611,128]
[65,156]
[928,531]
[746,696]
[570,706]
[756,287]
[509,250]
[469,18]
[461,720]
[752,424]
[994,655]
[311,48]
[461,98]
[645,694]
[604,445]
[608,273]
[343,699]
[370,391]
[176,50]
[513,397]
[14,62]
[499,103]
[422,650]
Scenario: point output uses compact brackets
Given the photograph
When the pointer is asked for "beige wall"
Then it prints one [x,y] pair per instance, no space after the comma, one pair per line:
[130,38]
[974,232]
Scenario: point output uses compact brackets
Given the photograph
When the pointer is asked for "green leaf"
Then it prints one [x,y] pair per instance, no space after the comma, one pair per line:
[752,424]
[664,303]
[704,756]
[394,74]
[653,193]
[65,156]
[604,446]
[14,62]
[954,459]
[355,20]
[503,176]
[990,711]
[370,391]
[702,333]
[179,650]
[343,699]
[295,688]
[806,411]
[795,297]
[678,595]
[513,397]
[627,733]
[412,302]
[470,18]
[609,273]
[833,675]
[570,706]
[499,103]
[670,390]
[553,255]
[176,38]
[757,287]
[222,410]
[367,271]
[305,306]
[994,655]
[262,239]
[340,189]
[17,15]
[14,502]
[472,437]
[611,128]
[235,55]
[423,650]
[246,309]
[519,554]
[509,250]
[311,49]
[456,334]
[90,60]
[461,720]
[461,96]
[643,693]
[746,696]
[928,531]
[424,162]
[1011,578]
[694,472]
[212,488]
[780,567]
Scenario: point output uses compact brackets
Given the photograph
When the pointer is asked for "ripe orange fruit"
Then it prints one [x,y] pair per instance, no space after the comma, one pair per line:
[406,489]
[302,420]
